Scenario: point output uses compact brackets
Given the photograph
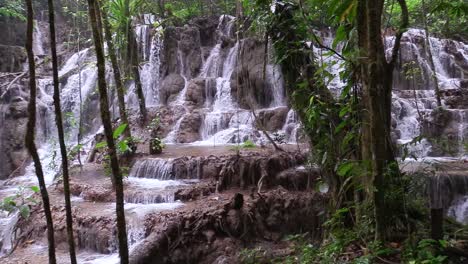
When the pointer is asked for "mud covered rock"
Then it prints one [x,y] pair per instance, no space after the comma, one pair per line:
[217,231]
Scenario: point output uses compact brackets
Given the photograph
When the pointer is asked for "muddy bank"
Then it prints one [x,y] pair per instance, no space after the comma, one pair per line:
[227,223]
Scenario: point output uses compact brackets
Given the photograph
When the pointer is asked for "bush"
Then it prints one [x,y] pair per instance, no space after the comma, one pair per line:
[156,146]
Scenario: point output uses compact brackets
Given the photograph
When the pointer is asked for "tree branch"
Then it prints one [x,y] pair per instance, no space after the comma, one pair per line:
[401,30]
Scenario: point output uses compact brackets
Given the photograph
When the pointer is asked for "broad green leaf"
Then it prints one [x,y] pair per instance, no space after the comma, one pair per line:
[119,130]
[345,168]
[34,189]
[123,146]
[101,144]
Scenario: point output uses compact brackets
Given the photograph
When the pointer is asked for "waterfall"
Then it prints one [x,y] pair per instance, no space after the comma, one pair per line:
[180,100]
[38,40]
[275,79]
[291,126]
[459,209]
[150,74]
[152,168]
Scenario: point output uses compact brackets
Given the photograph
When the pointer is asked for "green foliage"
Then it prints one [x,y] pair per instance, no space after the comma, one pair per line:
[12,9]
[119,131]
[125,145]
[154,126]
[251,256]
[446,18]
[425,251]
[248,144]
[156,145]
[20,202]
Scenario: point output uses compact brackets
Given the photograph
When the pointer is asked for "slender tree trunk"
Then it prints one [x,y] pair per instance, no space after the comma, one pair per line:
[133,64]
[30,129]
[106,121]
[115,68]
[61,134]
[429,54]
[376,74]
[133,50]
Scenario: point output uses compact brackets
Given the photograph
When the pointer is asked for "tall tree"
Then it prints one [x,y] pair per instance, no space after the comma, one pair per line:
[376,81]
[30,130]
[133,60]
[106,121]
[61,134]
[115,68]
[429,53]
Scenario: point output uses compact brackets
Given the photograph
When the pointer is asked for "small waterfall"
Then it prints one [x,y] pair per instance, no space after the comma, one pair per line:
[291,126]
[148,197]
[459,210]
[150,74]
[462,142]
[38,40]
[275,79]
[180,101]
[152,168]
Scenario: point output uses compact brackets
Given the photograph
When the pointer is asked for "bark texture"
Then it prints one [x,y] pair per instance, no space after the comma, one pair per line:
[30,145]
[106,121]
[61,134]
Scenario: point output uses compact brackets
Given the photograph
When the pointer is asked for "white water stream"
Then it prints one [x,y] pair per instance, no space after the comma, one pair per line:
[224,121]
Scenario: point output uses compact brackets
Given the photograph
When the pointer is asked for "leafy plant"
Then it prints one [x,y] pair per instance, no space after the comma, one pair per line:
[12,9]
[427,251]
[251,256]
[248,144]
[156,145]
[20,202]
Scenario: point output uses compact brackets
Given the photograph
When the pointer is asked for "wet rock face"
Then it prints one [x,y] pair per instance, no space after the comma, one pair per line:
[206,27]
[13,119]
[247,82]
[182,51]
[171,86]
[444,130]
[189,128]
[12,58]
[197,92]
[273,119]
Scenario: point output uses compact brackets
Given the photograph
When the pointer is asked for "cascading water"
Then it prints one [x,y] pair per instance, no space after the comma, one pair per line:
[152,182]
[150,42]
[38,40]
[152,168]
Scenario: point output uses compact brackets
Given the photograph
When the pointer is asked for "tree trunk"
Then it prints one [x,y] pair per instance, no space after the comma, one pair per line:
[429,55]
[106,121]
[437,221]
[376,74]
[30,129]
[133,64]
[61,134]
[115,68]
[133,48]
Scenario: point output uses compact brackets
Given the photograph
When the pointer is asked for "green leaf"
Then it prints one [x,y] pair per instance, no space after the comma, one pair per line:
[25,211]
[345,168]
[119,130]
[34,189]
[101,145]
[123,146]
